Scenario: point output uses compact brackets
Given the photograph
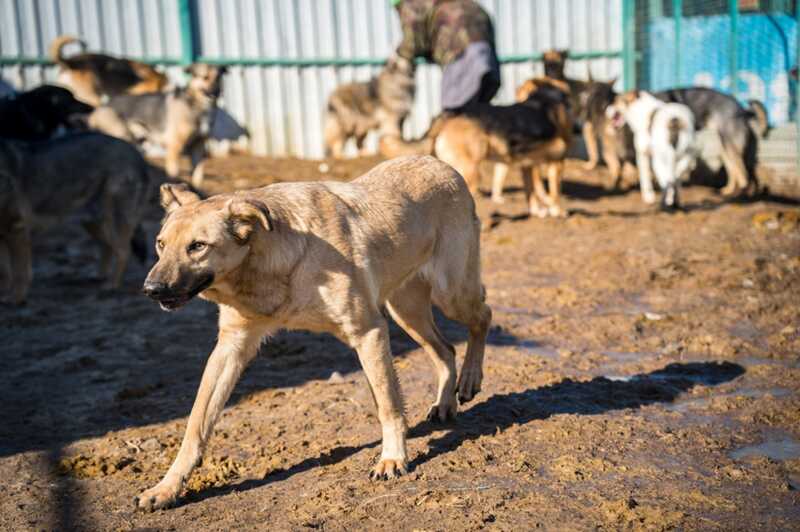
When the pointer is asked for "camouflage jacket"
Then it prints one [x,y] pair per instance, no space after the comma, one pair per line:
[439,30]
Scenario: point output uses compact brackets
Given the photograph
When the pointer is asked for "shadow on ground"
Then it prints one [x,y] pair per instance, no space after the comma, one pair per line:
[498,412]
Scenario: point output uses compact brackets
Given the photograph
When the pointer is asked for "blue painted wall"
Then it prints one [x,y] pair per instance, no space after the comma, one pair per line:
[766,51]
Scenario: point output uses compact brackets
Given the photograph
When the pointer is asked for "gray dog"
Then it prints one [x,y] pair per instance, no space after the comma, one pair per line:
[381,103]
[179,120]
[104,179]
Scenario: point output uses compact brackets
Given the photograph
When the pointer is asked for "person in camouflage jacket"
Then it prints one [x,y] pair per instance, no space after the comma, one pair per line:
[458,35]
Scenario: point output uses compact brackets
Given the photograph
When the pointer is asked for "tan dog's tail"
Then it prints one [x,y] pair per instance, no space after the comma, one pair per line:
[56,49]
[759,121]
[392,146]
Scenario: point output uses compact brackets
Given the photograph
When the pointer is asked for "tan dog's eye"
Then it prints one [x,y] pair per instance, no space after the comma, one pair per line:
[160,245]
[196,246]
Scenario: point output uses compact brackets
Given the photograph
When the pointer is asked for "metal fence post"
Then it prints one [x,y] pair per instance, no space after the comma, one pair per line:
[629,44]
[677,13]
[186,15]
[733,9]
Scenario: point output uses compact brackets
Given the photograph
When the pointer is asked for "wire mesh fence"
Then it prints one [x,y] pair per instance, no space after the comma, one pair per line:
[747,48]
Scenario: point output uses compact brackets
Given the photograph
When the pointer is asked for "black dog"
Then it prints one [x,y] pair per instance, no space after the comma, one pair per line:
[35,115]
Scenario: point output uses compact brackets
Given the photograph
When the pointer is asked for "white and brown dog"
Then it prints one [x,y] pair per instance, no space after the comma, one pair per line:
[663,136]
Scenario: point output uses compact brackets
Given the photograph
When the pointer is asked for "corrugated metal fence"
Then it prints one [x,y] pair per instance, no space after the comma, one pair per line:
[286,56]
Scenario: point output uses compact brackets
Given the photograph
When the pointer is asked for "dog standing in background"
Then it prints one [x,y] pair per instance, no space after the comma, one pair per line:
[616,143]
[179,120]
[525,135]
[381,103]
[738,129]
[663,134]
[104,179]
[554,169]
[93,77]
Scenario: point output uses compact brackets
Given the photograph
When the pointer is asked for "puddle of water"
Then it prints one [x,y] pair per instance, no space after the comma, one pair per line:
[702,402]
[620,378]
[784,449]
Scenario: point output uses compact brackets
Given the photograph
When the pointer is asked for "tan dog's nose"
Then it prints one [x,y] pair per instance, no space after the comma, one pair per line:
[154,290]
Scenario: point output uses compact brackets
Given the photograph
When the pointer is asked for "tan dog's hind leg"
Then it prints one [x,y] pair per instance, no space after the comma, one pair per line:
[555,171]
[375,356]
[498,179]
[736,170]
[470,310]
[462,298]
[590,139]
[530,174]
[612,161]
[237,345]
[411,308]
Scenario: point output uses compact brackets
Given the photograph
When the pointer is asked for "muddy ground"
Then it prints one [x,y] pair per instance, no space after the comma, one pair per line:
[643,372]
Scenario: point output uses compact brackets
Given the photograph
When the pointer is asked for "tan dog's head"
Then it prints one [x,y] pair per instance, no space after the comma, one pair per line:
[554,61]
[617,110]
[206,79]
[201,242]
[399,65]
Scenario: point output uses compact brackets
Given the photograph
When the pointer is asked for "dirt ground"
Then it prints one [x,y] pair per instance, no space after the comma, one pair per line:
[643,372]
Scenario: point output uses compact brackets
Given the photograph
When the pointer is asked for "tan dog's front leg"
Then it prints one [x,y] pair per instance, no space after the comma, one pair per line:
[499,178]
[236,347]
[590,139]
[645,177]
[376,360]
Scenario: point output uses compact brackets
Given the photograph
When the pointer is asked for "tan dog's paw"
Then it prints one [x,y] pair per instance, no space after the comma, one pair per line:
[156,498]
[388,468]
[538,212]
[469,384]
[443,412]
[556,212]
[590,165]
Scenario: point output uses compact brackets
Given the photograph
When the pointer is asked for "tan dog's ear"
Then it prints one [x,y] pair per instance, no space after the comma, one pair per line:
[177,194]
[244,216]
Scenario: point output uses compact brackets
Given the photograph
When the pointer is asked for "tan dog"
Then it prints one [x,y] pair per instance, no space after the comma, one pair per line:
[94,76]
[179,120]
[526,135]
[381,103]
[327,257]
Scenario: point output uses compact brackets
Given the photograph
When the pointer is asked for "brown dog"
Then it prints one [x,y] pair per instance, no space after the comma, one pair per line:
[327,257]
[559,114]
[93,76]
[525,135]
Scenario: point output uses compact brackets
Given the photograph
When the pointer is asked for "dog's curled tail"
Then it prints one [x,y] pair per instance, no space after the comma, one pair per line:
[675,126]
[57,46]
[392,146]
[759,119]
